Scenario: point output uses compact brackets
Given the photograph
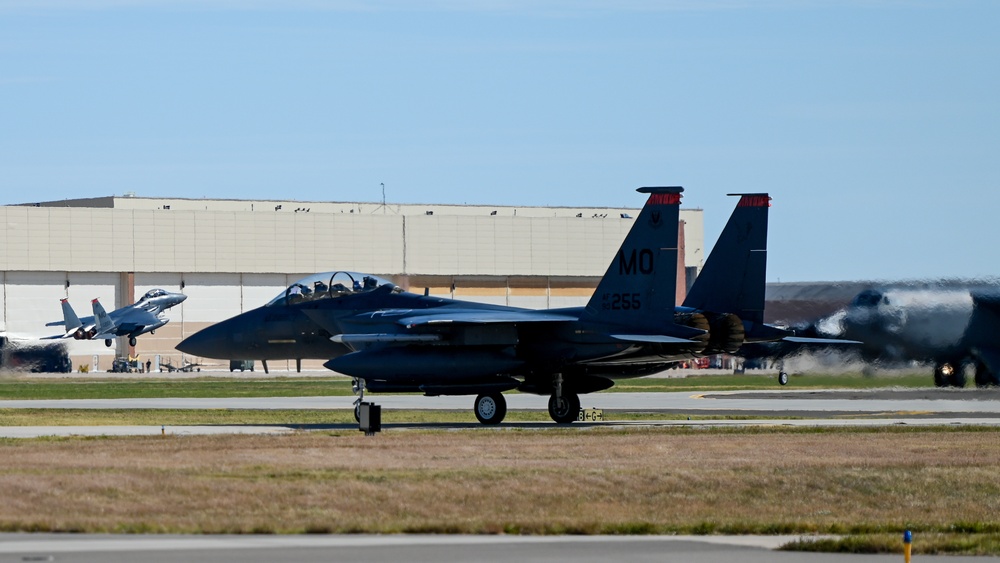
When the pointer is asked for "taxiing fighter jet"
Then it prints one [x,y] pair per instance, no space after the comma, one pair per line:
[951,328]
[145,315]
[394,341]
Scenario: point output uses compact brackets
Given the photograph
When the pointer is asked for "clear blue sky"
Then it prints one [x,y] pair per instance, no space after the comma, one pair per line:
[875,125]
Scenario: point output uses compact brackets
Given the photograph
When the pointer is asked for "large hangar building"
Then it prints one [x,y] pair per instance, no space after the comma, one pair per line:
[229,256]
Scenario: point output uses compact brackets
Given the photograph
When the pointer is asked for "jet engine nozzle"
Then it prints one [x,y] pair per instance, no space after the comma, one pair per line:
[698,321]
[726,334]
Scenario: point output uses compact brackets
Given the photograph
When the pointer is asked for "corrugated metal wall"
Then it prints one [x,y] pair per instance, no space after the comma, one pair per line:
[231,261]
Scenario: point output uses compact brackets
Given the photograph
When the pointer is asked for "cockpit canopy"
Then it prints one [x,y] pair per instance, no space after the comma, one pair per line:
[329,285]
[153,293]
[869,298]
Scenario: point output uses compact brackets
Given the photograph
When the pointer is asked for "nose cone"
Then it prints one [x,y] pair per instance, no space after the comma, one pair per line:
[210,342]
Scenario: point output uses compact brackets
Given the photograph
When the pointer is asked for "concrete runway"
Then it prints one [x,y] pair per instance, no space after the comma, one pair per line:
[811,408]
[418,549]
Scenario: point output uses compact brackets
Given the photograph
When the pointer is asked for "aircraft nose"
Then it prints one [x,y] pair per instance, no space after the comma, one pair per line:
[210,342]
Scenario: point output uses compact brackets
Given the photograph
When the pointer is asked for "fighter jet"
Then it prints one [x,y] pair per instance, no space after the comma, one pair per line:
[729,291]
[394,341]
[145,315]
[951,328]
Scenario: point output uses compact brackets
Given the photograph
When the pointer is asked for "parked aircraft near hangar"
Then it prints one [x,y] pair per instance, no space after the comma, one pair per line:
[393,341]
[145,315]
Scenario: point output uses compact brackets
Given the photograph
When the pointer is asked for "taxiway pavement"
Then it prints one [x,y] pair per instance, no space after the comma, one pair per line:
[785,407]
[89,548]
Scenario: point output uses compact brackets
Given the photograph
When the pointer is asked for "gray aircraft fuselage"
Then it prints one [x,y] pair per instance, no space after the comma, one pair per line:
[948,327]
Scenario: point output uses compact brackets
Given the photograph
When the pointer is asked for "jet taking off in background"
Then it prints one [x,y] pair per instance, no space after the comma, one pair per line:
[393,341]
[951,328]
[145,315]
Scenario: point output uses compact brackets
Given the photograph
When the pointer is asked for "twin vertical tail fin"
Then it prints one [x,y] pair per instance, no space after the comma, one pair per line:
[732,281]
[639,289]
[70,319]
[104,326]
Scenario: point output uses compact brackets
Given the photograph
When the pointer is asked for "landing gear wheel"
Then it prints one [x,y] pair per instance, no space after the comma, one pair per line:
[131,341]
[984,377]
[564,409]
[941,373]
[783,378]
[490,408]
[948,374]
[109,342]
[958,379]
[358,386]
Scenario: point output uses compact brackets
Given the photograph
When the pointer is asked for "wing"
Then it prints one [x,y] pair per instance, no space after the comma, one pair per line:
[485,316]
[651,339]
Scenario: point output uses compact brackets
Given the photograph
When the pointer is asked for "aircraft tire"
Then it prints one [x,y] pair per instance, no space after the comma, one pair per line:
[490,408]
[357,413]
[984,377]
[131,341]
[958,378]
[108,342]
[941,377]
[783,378]
[565,409]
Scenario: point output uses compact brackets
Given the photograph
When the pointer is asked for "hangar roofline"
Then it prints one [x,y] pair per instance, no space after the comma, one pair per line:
[361,207]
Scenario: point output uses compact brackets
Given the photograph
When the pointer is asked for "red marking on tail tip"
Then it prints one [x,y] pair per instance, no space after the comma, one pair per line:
[664,199]
[754,201]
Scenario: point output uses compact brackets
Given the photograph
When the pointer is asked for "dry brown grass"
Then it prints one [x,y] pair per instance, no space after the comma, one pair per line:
[485,481]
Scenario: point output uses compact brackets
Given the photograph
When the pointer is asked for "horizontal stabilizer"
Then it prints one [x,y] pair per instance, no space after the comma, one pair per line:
[56,323]
[349,339]
[652,339]
[804,340]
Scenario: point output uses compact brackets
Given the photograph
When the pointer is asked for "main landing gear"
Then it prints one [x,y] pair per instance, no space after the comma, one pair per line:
[564,406]
[949,374]
[358,386]
[953,374]
[782,374]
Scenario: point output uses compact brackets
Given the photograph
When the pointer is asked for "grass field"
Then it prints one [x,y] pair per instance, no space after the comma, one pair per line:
[81,387]
[865,485]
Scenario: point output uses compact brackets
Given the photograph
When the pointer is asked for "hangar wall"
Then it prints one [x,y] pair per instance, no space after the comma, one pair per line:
[227,259]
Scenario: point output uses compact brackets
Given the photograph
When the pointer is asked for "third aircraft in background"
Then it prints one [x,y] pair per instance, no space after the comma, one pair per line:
[391,340]
[952,328]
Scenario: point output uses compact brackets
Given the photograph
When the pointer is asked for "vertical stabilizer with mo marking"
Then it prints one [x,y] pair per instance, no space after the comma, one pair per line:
[733,278]
[639,288]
